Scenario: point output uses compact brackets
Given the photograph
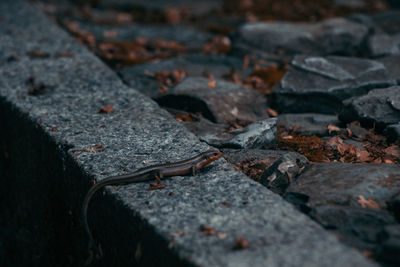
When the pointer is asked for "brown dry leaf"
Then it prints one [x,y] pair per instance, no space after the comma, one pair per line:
[364,156]
[37,54]
[233,76]
[185,117]
[311,147]
[265,79]
[124,18]
[110,34]
[207,230]
[333,128]
[64,54]
[272,112]
[370,203]
[212,84]
[178,75]
[106,109]
[163,89]
[393,151]
[336,143]
[218,45]
[246,62]
[241,243]
[177,233]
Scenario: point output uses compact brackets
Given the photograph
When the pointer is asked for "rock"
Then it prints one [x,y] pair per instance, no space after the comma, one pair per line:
[380,107]
[342,183]
[204,127]
[356,226]
[393,132]
[394,206]
[275,169]
[383,45]
[278,39]
[193,65]
[392,65]
[319,84]
[348,198]
[387,21]
[390,248]
[309,123]
[258,135]
[217,100]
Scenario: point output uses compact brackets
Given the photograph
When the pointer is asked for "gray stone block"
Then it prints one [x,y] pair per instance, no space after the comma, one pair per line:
[279,39]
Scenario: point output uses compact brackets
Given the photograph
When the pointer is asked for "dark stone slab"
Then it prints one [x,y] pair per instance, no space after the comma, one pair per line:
[394,206]
[204,127]
[279,39]
[193,65]
[390,249]
[309,123]
[380,107]
[258,135]
[274,169]
[384,45]
[392,65]
[48,180]
[219,102]
[387,21]
[393,132]
[349,198]
[319,84]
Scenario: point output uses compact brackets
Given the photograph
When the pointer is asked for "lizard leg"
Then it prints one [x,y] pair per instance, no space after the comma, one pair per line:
[158,185]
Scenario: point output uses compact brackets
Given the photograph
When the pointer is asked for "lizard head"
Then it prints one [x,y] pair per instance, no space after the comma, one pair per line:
[209,157]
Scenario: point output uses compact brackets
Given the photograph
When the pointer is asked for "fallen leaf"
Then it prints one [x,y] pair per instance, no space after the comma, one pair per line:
[272,112]
[333,128]
[64,54]
[177,233]
[163,89]
[207,230]
[241,243]
[37,54]
[212,84]
[218,45]
[110,34]
[370,203]
[364,156]
[393,151]
[222,235]
[106,109]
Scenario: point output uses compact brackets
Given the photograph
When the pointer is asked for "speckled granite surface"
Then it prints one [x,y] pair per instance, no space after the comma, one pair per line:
[136,134]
